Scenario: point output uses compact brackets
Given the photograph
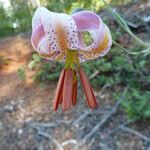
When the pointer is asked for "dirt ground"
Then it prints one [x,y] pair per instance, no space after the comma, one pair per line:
[27,121]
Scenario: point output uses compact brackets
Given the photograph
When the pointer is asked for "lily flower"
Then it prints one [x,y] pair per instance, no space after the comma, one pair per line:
[59,37]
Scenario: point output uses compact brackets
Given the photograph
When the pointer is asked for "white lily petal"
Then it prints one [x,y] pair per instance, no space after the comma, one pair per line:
[60,32]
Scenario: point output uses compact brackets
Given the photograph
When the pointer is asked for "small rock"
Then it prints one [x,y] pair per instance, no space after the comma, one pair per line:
[20,131]
[9,108]
[28,119]
[104,146]
[1,125]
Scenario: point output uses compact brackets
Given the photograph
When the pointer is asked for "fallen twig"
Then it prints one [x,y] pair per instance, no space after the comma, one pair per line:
[46,135]
[82,117]
[94,74]
[127,129]
[135,132]
[102,90]
[50,124]
[116,129]
[71,141]
[65,121]
[45,125]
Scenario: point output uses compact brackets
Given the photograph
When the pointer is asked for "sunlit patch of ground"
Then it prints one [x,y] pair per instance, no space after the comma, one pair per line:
[17,51]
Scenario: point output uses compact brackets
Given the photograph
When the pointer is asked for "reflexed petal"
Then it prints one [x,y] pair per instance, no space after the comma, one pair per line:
[53,32]
[37,35]
[39,42]
[88,21]
[36,19]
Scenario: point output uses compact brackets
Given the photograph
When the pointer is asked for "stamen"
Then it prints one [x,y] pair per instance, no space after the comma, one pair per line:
[74,90]
[91,100]
[67,89]
[58,94]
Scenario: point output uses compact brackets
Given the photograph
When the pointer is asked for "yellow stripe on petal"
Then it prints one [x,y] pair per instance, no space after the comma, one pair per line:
[103,46]
[96,51]
[61,35]
[86,54]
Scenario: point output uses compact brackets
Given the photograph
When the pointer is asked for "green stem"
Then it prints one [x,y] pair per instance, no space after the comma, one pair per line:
[71,59]
[124,25]
[132,53]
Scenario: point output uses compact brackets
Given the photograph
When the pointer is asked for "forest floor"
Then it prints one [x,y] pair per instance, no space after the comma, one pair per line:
[27,120]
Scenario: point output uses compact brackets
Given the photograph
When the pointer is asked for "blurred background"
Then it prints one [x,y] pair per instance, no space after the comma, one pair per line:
[121,81]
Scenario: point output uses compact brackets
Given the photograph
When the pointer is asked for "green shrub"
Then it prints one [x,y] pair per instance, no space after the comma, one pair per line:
[21,73]
[45,71]
[35,61]
[48,72]
[137,104]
